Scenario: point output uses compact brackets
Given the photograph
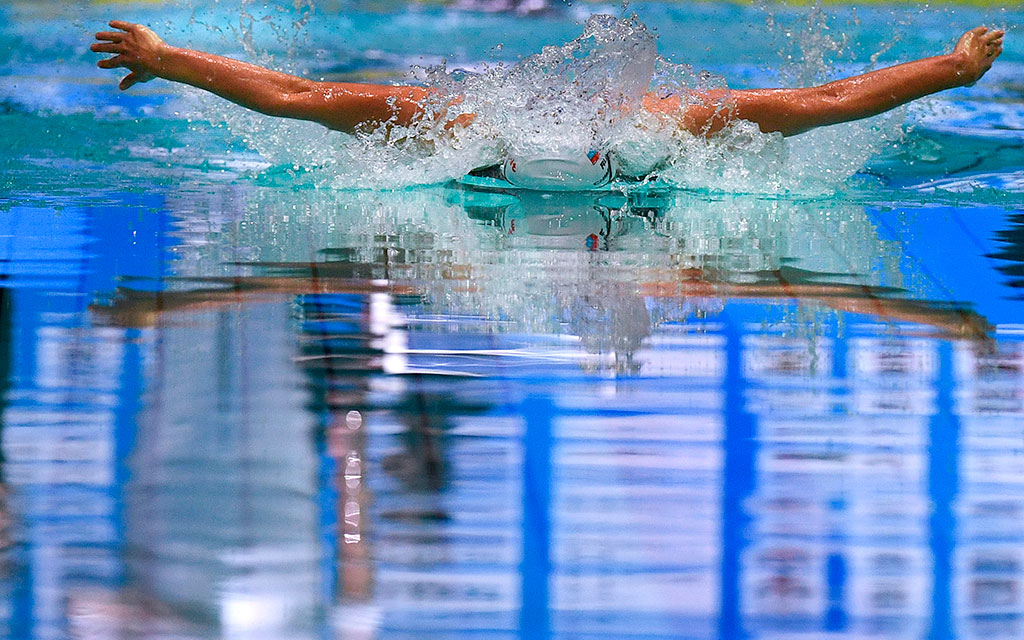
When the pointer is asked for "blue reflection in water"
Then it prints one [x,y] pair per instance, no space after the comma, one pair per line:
[284,446]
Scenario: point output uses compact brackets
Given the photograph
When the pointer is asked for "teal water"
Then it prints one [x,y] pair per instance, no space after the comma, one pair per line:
[243,399]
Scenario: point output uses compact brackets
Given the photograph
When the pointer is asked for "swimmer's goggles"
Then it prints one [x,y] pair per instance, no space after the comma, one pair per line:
[555,171]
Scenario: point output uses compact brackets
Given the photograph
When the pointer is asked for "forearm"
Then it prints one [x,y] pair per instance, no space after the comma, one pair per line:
[878,91]
[342,106]
[793,111]
[246,84]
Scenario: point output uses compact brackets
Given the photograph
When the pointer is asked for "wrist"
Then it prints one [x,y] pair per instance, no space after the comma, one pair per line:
[162,60]
[962,71]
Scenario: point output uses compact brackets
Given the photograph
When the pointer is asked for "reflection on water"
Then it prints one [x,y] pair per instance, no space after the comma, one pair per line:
[219,518]
[461,411]
[1012,251]
[606,265]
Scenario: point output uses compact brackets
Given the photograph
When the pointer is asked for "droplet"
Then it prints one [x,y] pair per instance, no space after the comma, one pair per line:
[353,420]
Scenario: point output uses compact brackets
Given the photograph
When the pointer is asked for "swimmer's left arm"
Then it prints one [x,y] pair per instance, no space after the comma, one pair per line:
[343,106]
[793,111]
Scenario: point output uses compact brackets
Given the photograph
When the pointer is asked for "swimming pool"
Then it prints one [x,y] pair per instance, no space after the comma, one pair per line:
[244,399]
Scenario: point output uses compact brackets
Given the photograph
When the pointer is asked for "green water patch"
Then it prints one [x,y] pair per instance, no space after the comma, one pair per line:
[55,153]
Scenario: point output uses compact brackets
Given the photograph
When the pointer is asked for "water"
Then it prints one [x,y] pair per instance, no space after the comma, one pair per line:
[777,395]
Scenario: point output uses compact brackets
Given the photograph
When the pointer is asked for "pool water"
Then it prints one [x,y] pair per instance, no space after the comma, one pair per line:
[243,398]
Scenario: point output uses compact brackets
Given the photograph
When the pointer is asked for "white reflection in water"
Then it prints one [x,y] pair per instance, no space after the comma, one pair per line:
[218,515]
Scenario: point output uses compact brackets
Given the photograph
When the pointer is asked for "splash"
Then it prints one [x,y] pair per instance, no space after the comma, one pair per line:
[567,99]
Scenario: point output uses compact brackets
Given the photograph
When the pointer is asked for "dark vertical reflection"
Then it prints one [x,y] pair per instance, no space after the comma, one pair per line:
[1011,252]
[943,484]
[737,483]
[5,367]
[8,564]
[536,565]
[392,503]
[338,360]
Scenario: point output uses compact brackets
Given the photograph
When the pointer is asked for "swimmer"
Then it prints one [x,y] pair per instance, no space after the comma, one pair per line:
[353,107]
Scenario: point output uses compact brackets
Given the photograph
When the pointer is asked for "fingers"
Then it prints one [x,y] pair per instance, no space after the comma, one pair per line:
[128,81]
[983,42]
[125,44]
[992,36]
[994,43]
[123,26]
[111,63]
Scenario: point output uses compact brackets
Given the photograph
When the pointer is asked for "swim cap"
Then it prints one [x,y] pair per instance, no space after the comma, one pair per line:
[560,171]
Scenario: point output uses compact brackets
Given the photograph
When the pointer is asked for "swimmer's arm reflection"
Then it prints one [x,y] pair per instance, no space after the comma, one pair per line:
[350,107]
[142,308]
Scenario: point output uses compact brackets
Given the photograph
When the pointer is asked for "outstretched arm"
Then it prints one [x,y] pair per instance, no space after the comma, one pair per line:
[344,106]
[793,111]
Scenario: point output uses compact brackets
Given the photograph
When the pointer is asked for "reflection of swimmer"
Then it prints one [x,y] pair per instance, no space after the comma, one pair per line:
[611,319]
[138,308]
[569,221]
[354,107]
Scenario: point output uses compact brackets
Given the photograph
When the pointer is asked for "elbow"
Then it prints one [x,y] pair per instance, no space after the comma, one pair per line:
[831,93]
[830,98]
[830,103]
[289,100]
[285,104]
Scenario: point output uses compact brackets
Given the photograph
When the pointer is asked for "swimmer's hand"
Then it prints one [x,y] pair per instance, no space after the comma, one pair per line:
[138,49]
[975,52]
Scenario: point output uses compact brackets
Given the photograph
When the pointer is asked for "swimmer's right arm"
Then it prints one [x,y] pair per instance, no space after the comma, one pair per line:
[343,106]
